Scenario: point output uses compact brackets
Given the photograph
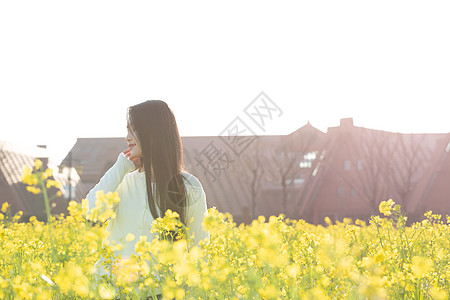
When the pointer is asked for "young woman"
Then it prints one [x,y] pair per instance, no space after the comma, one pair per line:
[150,178]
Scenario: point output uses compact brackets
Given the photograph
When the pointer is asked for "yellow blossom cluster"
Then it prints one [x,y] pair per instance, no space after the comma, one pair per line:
[169,227]
[32,179]
[104,207]
[38,181]
[386,207]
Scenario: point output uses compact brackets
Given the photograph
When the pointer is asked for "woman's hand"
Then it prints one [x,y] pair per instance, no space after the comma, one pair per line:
[137,160]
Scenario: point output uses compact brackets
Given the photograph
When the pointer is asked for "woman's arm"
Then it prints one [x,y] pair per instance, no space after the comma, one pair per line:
[112,178]
[197,211]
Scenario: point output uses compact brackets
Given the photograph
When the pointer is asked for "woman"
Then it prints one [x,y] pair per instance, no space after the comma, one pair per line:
[150,178]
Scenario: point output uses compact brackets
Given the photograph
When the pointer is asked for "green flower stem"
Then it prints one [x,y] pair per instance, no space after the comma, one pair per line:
[44,193]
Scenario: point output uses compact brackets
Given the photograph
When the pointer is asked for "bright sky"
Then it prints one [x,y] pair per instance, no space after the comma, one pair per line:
[69,69]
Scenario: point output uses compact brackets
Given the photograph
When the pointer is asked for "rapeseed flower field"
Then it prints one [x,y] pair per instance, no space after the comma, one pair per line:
[276,258]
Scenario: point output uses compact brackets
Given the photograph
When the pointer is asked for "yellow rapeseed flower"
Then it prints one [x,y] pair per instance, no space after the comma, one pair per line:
[28,177]
[33,189]
[130,237]
[438,294]
[47,173]
[37,164]
[84,206]
[421,266]
[106,292]
[172,214]
[386,207]
[51,183]
[268,292]
[5,207]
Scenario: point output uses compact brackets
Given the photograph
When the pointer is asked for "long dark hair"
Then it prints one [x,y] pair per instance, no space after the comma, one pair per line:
[157,132]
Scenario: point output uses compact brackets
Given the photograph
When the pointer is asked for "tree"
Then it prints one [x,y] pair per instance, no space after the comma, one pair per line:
[250,169]
[289,161]
[410,156]
[368,151]
[387,165]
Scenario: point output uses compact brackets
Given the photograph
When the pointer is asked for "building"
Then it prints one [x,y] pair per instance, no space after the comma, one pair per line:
[91,158]
[13,158]
[308,174]
[361,167]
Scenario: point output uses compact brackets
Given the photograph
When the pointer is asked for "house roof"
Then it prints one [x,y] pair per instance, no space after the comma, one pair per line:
[93,156]
[308,128]
[13,158]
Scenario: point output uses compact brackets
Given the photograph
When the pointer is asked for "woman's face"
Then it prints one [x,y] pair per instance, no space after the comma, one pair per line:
[133,142]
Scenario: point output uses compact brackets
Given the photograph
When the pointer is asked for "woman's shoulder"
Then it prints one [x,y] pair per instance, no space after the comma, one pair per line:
[194,188]
[192,180]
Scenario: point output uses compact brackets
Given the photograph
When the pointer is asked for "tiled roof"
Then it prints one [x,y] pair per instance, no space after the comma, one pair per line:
[13,158]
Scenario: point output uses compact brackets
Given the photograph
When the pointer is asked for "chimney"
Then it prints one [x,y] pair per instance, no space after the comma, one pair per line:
[346,122]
